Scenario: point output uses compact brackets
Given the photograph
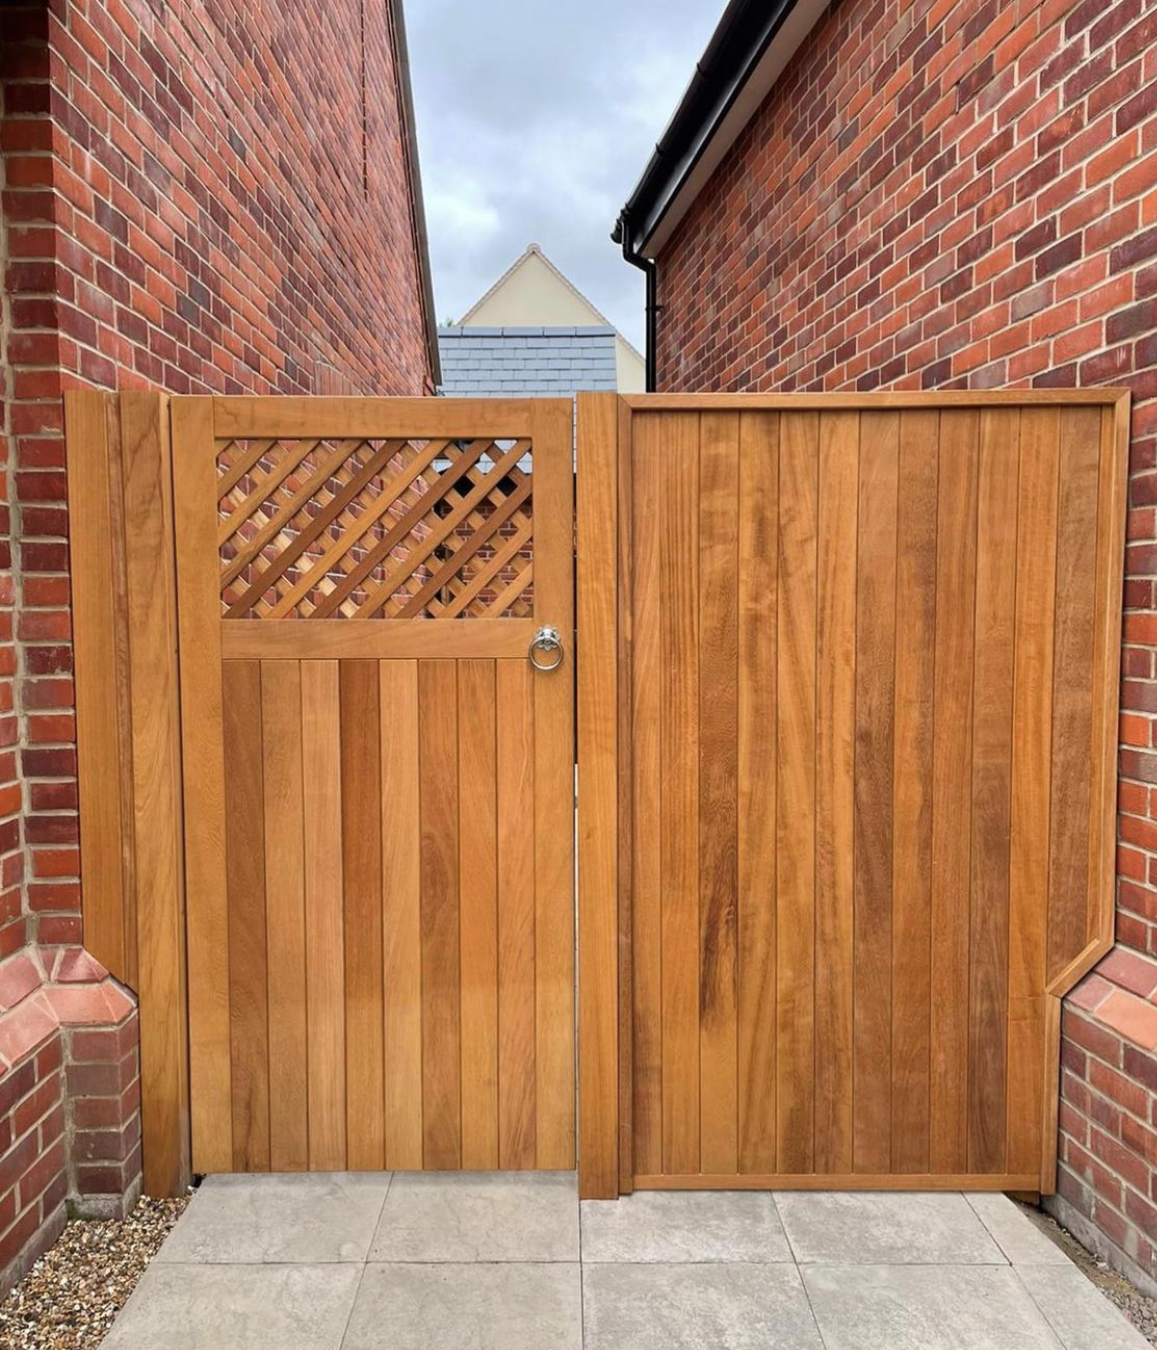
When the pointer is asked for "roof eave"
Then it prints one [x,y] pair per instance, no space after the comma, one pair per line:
[746,55]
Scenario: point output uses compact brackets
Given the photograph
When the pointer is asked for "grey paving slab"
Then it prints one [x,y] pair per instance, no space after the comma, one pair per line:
[322,1216]
[1014,1232]
[680,1306]
[479,1216]
[925,1308]
[1080,1315]
[238,1307]
[684,1226]
[874,1228]
[504,1306]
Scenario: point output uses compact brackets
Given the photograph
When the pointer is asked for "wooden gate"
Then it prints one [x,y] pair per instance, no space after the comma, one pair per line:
[847,711]
[378,789]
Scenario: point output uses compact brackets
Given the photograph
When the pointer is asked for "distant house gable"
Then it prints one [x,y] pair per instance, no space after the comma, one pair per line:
[533,293]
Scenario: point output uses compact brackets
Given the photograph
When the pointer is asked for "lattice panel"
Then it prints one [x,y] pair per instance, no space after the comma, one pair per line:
[388,529]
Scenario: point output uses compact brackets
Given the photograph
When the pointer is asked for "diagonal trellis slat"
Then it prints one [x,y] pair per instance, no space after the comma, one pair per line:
[375,528]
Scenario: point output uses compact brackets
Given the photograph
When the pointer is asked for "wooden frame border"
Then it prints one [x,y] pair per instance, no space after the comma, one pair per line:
[597,581]
[289,416]
[880,399]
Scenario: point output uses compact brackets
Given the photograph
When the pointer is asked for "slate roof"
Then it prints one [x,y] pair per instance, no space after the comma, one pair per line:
[514,362]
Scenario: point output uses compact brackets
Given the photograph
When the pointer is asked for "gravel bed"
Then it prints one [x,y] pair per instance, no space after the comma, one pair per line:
[69,1298]
[1139,1308]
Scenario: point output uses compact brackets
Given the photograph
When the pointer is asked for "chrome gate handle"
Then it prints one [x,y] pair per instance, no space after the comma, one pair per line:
[546,640]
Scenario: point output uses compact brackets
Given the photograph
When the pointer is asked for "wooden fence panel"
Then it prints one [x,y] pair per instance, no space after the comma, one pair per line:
[867,736]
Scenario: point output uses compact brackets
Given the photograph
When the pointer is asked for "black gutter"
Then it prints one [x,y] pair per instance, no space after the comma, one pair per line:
[397,20]
[743,35]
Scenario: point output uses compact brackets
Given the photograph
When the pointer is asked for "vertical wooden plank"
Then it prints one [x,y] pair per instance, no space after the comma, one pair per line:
[991,788]
[325,974]
[554,788]
[646,794]
[597,524]
[951,787]
[1112,491]
[756,586]
[875,684]
[912,806]
[516,1044]
[718,790]
[839,470]
[202,736]
[796,792]
[401,913]
[285,915]
[441,1038]
[624,684]
[95,517]
[1031,756]
[478,900]
[679,802]
[1076,578]
[362,878]
[157,843]
[245,870]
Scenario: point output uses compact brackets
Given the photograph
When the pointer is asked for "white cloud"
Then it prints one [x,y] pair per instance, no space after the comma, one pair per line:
[535,119]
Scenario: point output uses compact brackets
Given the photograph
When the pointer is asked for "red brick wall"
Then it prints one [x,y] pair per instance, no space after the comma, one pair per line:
[940,194]
[200,196]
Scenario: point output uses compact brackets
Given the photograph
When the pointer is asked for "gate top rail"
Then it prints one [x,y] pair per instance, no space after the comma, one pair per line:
[879,399]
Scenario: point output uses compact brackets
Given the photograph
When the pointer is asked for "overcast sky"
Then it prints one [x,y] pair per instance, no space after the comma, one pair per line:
[535,119]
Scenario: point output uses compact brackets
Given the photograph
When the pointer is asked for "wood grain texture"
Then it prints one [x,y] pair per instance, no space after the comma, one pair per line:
[912,798]
[155,952]
[203,766]
[516,914]
[718,790]
[679,801]
[646,789]
[108,900]
[996,550]
[597,524]
[554,796]
[324,937]
[478,903]
[1031,755]
[952,785]
[756,598]
[401,913]
[441,992]
[284,833]
[1069,814]
[246,955]
[624,686]
[361,842]
[796,792]
[875,777]
[839,468]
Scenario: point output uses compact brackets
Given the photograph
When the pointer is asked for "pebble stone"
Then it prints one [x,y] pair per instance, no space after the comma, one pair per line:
[69,1298]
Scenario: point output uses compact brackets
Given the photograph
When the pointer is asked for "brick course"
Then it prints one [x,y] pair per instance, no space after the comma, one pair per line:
[939,194]
[70,1130]
[203,196]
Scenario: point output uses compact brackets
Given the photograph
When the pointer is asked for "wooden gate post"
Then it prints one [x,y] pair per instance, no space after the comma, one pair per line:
[125,639]
[598,881]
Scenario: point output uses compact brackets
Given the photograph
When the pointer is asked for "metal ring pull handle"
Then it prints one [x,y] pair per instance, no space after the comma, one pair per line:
[546,642]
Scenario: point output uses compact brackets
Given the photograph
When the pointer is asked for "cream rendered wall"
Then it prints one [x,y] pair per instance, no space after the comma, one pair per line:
[534,294]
